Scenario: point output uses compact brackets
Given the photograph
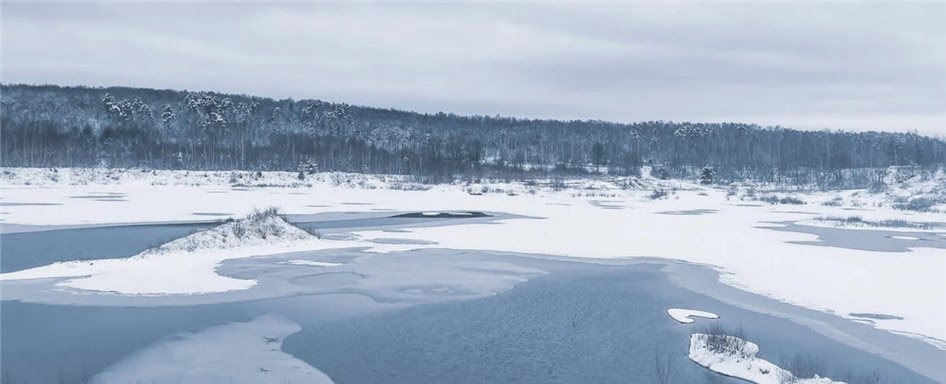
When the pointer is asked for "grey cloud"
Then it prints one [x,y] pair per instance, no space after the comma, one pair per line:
[879,66]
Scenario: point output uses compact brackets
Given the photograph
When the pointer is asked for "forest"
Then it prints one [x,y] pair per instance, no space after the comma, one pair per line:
[53,126]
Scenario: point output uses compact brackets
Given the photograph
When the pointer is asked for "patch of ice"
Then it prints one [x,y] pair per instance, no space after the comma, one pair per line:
[684,315]
[311,263]
[732,356]
[232,353]
[904,238]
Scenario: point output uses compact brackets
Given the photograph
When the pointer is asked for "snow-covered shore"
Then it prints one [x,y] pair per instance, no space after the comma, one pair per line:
[599,218]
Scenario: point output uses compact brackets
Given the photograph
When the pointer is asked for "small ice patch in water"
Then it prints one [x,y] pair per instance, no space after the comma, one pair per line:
[97,197]
[684,316]
[690,212]
[29,204]
[904,238]
[310,263]
[443,214]
[401,241]
[876,316]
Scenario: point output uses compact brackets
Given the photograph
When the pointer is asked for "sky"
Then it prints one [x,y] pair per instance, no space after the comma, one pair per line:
[852,66]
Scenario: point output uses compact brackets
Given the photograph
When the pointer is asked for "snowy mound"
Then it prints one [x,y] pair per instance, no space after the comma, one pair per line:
[260,227]
[735,357]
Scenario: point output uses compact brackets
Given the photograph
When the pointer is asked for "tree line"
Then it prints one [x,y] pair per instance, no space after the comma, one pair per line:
[48,126]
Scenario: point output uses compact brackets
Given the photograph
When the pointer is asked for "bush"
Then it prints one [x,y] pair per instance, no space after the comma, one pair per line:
[857,221]
[791,200]
[920,204]
[859,377]
[773,199]
[658,194]
[722,340]
[804,366]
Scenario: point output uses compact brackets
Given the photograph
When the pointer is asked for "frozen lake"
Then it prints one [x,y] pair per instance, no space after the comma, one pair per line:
[432,315]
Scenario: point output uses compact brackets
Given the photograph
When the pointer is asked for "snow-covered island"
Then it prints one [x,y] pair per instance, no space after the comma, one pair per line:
[733,356]
[186,265]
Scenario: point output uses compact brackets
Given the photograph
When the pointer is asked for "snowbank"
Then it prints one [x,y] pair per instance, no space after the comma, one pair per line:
[684,315]
[732,356]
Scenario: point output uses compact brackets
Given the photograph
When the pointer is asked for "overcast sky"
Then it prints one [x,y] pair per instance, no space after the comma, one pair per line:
[865,66]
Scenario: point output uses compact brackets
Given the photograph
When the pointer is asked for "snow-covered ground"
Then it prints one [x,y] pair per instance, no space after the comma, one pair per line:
[685,316]
[600,218]
[733,356]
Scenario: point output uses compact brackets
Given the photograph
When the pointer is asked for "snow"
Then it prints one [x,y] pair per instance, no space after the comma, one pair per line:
[903,238]
[260,228]
[231,353]
[183,266]
[733,238]
[311,263]
[684,315]
[742,362]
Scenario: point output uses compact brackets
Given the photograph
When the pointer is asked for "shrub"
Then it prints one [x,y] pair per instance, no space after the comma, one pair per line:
[773,199]
[722,340]
[791,200]
[851,376]
[804,366]
[858,221]
[658,194]
[920,204]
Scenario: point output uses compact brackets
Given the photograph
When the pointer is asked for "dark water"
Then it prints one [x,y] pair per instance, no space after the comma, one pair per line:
[33,249]
[863,239]
[24,250]
[585,324]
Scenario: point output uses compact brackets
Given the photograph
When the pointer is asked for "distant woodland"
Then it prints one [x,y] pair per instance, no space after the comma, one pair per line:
[52,126]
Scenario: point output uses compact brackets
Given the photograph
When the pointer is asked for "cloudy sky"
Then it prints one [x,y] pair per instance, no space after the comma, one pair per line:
[860,66]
